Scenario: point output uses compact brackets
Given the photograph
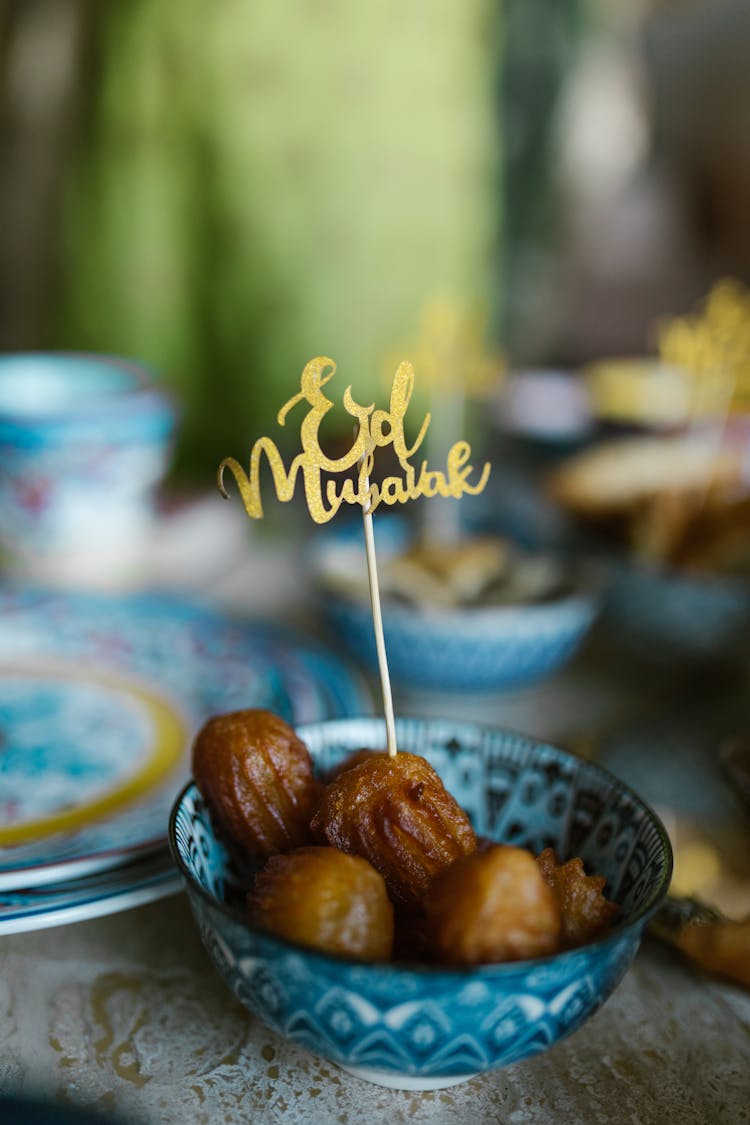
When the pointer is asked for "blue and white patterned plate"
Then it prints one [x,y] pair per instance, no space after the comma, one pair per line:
[99,698]
[106,892]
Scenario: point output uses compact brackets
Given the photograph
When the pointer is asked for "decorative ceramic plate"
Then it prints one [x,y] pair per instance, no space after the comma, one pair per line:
[99,699]
[106,892]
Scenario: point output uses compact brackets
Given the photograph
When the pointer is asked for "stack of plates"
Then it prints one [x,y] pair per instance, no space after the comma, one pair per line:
[99,700]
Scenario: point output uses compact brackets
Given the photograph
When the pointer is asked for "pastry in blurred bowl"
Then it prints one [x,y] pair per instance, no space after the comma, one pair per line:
[675,514]
[475,615]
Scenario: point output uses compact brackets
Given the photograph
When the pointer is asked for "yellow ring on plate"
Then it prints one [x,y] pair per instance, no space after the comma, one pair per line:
[170,734]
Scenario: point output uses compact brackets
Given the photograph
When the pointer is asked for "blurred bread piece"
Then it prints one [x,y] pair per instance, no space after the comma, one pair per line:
[722,948]
[641,391]
[618,476]
[447,574]
[667,499]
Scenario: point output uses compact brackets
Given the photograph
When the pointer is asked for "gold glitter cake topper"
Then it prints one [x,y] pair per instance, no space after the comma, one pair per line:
[374,429]
[713,347]
[449,350]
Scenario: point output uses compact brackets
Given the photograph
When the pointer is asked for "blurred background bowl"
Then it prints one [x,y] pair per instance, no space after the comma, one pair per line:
[84,442]
[417,1027]
[476,648]
[664,615]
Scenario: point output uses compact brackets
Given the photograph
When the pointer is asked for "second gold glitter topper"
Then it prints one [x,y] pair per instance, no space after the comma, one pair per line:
[375,428]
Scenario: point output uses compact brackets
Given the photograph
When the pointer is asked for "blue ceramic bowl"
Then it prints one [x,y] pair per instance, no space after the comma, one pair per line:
[419,1027]
[476,649]
[84,440]
[676,617]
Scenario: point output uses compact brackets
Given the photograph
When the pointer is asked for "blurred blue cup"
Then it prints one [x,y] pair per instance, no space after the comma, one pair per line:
[84,442]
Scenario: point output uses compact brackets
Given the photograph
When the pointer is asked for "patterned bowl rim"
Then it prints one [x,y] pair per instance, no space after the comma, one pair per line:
[645,910]
[143,394]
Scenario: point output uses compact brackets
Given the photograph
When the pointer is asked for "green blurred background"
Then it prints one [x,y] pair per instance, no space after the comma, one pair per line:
[247,185]
[223,189]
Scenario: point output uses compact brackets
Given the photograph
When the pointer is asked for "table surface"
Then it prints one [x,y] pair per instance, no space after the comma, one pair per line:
[125,1014]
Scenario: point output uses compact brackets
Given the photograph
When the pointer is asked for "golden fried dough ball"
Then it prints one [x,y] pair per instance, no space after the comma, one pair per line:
[397,813]
[257,778]
[326,899]
[492,906]
[586,913]
[350,761]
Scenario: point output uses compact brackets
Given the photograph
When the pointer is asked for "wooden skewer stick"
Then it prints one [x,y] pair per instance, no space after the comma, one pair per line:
[377,620]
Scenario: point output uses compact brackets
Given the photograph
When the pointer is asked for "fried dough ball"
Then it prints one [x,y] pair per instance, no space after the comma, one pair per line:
[492,906]
[325,899]
[349,762]
[257,778]
[586,913]
[396,813]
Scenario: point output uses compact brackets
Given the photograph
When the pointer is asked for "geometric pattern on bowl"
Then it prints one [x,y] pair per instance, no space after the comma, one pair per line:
[427,1025]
